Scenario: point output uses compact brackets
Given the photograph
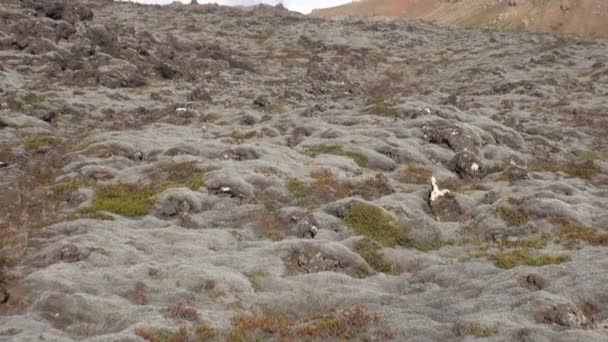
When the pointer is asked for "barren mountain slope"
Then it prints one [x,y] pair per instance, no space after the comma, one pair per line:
[565,16]
[201,173]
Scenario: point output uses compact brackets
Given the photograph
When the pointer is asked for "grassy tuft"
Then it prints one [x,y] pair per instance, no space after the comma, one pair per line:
[123,199]
[338,150]
[255,278]
[62,190]
[239,137]
[41,224]
[415,174]
[180,311]
[512,217]
[298,188]
[267,223]
[87,213]
[372,222]
[354,322]
[371,252]
[155,335]
[38,142]
[571,231]
[324,188]
[373,187]
[184,174]
[6,153]
[522,256]
[584,170]
[380,105]
[32,98]
[475,329]
[592,155]
[204,332]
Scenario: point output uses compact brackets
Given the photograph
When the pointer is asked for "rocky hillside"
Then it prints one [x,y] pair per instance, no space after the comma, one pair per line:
[204,173]
[565,16]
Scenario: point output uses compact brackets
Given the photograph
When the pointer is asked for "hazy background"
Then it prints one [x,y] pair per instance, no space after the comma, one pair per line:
[303,6]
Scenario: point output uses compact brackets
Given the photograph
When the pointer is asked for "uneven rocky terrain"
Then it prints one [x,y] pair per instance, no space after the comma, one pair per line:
[566,16]
[200,173]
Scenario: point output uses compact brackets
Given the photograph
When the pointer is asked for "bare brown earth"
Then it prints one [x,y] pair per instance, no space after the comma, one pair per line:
[205,173]
[564,16]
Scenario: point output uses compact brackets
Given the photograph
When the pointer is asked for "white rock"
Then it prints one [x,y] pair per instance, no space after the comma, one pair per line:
[436,192]
[475,167]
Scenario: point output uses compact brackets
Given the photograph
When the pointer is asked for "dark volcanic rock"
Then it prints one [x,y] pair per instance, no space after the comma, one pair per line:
[4,294]
[467,165]
[445,208]
[71,253]
[262,101]
[199,94]
[567,315]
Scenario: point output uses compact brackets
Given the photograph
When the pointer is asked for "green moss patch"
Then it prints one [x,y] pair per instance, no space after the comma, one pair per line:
[475,329]
[123,199]
[38,142]
[592,155]
[372,222]
[522,256]
[32,98]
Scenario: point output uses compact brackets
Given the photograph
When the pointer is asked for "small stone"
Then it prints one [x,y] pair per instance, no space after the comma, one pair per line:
[536,281]
[70,253]
[262,101]
[567,315]
[467,165]
[4,295]
[199,95]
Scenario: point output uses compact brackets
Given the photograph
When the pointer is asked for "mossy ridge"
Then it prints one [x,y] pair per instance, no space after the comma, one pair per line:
[372,222]
[338,150]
